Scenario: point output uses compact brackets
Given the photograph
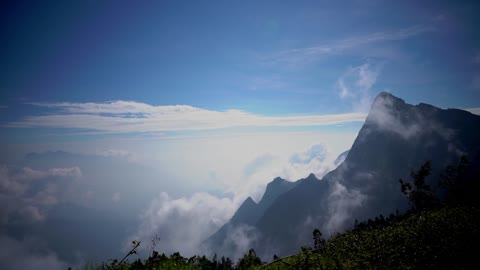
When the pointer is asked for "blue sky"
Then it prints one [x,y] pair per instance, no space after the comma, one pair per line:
[234,55]
[268,58]
[175,105]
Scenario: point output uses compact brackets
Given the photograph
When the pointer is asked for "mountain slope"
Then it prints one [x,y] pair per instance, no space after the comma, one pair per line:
[400,242]
[395,139]
[274,189]
[245,218]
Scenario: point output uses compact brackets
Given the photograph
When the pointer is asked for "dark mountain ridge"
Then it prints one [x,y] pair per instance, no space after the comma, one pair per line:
[395,139]
[246,217]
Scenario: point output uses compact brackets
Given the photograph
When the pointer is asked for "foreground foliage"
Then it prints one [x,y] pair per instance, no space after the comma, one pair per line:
[445,238]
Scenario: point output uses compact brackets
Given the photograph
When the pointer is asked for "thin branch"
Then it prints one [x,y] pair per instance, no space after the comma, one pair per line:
[132,251]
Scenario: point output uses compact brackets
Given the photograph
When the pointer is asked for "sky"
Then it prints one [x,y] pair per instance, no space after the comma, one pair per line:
[164,114]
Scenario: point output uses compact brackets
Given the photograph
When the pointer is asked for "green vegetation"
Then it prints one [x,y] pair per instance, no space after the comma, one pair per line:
[438,239]
[174,261]
[437,233]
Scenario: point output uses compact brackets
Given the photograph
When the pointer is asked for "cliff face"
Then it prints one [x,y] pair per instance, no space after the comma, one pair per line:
[395,139]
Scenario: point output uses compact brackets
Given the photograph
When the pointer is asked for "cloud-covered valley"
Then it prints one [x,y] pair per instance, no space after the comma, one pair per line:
[144,187]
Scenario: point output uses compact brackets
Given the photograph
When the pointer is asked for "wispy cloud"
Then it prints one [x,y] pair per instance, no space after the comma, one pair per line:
[129,116]
[342,202]
[355,84]
[336,46]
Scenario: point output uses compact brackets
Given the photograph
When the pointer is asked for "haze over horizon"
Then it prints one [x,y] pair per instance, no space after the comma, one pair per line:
[169,115]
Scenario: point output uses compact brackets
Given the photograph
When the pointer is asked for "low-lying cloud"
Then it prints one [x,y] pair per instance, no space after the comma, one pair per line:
[317,159]
[385,117]
[342,202]
[184,223]
[27,193]
[239,239]
[412,122]
[106,181]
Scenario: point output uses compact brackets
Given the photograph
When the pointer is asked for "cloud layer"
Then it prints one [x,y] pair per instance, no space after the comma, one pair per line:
[27,194]
[129,116]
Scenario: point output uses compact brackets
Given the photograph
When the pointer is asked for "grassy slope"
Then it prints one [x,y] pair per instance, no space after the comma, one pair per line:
[446,238]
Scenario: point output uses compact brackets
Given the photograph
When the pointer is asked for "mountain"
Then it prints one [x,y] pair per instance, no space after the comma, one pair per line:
[246,213]
[395,139]
[274,189]
[245,218]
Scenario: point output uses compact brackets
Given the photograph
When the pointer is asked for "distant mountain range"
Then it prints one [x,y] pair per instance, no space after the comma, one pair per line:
[395,139]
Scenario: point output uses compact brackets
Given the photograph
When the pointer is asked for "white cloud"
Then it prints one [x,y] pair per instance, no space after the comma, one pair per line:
[314,152]
[259,163]
[123,117]
[341,204]
[384,115]
[16,181]
[317,159]
[239,240]
[266,157]
[28,193]
[355,85]
[411,123]
[182,224]
[114,107]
